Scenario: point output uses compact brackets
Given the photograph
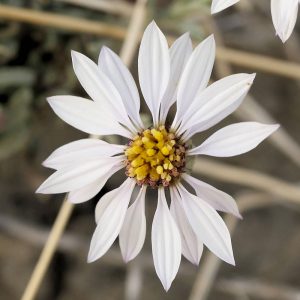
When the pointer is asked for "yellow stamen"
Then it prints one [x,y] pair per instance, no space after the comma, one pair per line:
[165,151]
[154,157]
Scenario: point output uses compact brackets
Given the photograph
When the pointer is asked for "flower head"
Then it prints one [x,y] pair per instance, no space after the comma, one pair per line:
[156,156]
[284,14]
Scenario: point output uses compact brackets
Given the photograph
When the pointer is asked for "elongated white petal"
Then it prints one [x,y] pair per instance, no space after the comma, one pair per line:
[214,197]
[133,232]
[81,150]
[91,190]
[208,225]
[86,116]
[191,247]
[114,206]
[219,5]
[195,75]
[117,72]
[154,68]
[77,176]
[234,139]
[284,16]
[180,51]
[166,242]
[216,102]
[99,87]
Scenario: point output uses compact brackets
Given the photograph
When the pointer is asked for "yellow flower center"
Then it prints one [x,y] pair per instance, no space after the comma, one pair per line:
[155,157]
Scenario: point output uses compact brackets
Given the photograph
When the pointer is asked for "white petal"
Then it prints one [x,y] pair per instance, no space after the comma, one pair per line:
[208,225]
[91,190]
[81,150]
[180,51]
[192,248]
[214,197]
[133,232]
[196,74]
[219,5]
[117,72]
[234,139]
[216,102]
[154,68]
[86,116]
[166,242]
[99,87]
[110,220]
[77,176]
[284,16]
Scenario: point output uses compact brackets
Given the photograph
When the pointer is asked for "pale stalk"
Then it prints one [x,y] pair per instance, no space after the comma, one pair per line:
[249,178]
[111,7]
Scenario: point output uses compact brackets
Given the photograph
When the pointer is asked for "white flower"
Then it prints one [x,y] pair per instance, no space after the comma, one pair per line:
[284,14]
[153,156]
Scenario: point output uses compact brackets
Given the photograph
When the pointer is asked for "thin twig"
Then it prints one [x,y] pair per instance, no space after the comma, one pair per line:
[209,269]
[47,253]
[74,244]
[259,62]
[236,57]
[134,32]
[249,178]
[61,21]
[134,280]
[112,7]
[256,288]
[66,208]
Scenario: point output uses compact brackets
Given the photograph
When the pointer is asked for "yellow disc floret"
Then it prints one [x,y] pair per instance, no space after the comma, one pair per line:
[155,157]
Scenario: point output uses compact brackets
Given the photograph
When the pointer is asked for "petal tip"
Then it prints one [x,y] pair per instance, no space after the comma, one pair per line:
[152,23]
[126,257]
[40,190]
[73,54]
[283,37]
[195,262]
[272,128]
[91,258]
[239,216]
[214,9]
[252,77]
[166,285]
[211,37]
[276,126]
[105,49]
[50,99]
[231,260]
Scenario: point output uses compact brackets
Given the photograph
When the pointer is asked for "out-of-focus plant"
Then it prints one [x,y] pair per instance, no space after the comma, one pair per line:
[15,123]
[182,16]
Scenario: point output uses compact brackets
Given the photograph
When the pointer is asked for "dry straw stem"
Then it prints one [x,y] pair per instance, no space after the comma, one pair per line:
[112,7]
[60,21]
[134,32]
[249,178]
[211,264]
[66,208]
[48,251]
[243,288]
[235,57]
[281,139]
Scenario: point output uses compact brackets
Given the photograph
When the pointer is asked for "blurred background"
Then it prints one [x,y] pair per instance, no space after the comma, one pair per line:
[36,37]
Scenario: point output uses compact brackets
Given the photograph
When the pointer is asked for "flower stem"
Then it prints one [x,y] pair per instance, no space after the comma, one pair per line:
[48,251]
